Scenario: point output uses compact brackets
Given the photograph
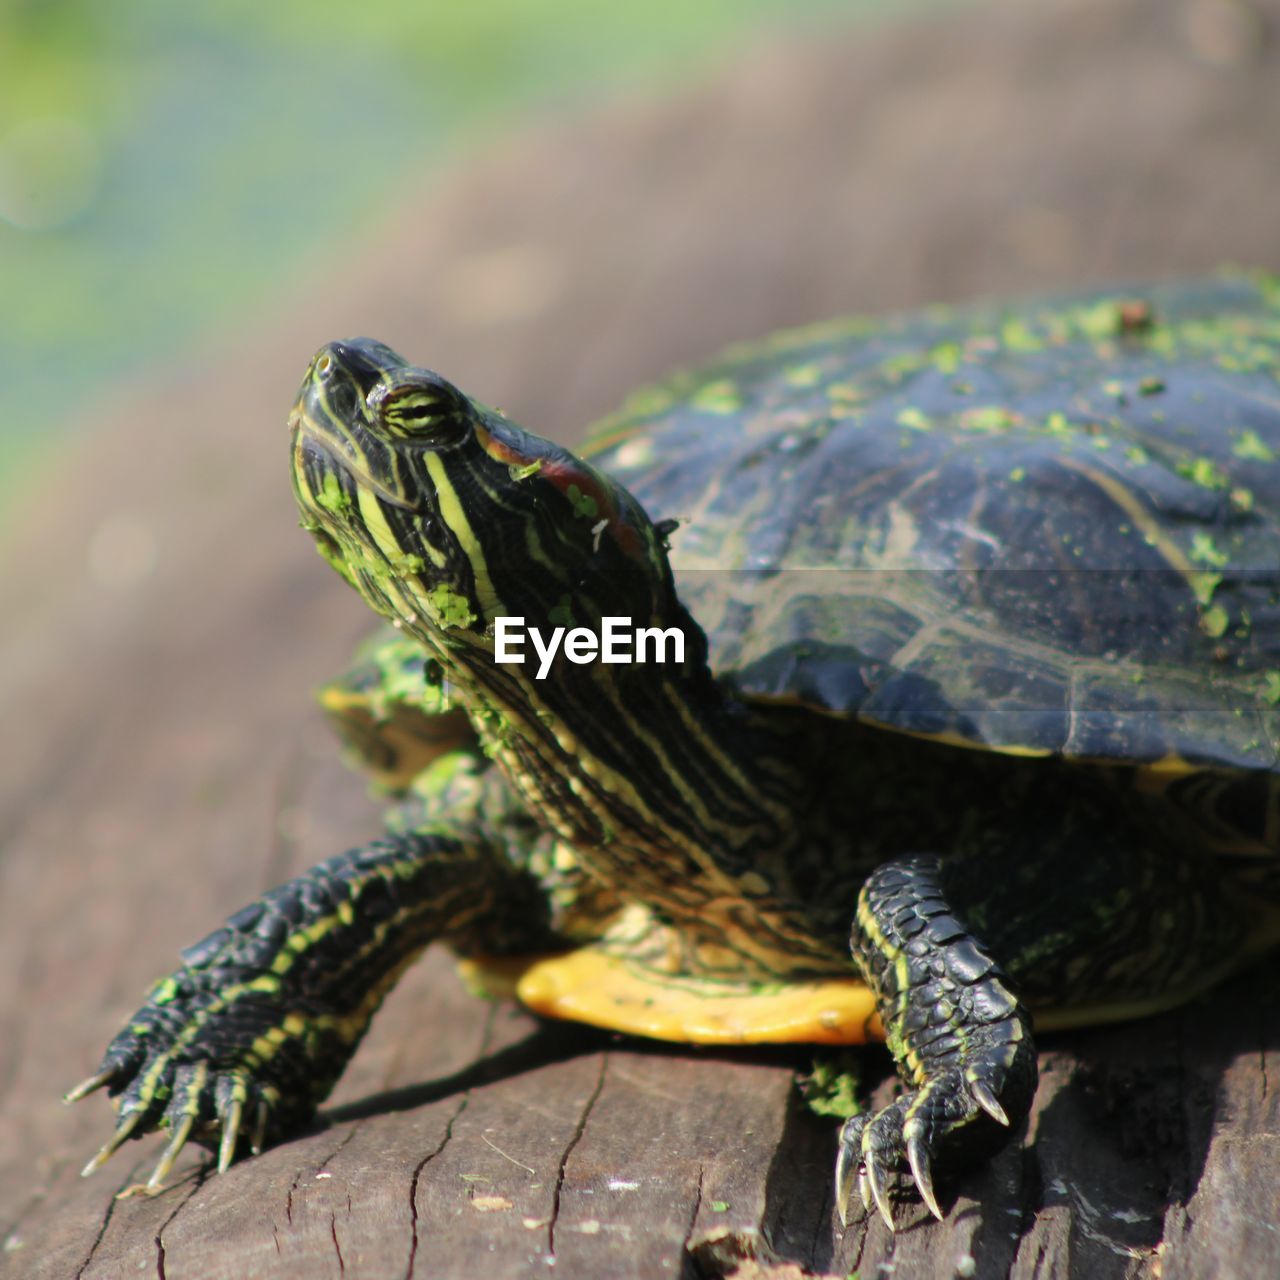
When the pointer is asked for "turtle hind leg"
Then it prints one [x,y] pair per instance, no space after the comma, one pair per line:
[961,1039]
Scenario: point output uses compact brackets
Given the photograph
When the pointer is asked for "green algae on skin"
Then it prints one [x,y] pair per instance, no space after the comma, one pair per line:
[1251,447]
[1204,550]
[1203,585]
[946,357]
[404,563]
[989,418]
[1202,471]
[331,497]
[915,419]
[1101,320]
[584,505]
[718,397]
[803,375]
[1214,621]
[450,608]
[1016,335]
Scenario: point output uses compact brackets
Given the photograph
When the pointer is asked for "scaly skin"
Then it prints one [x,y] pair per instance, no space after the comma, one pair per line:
[961,1039]
[733,819]
[253,1030]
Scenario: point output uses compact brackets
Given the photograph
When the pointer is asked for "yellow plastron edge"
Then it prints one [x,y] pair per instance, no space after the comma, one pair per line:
[606,991]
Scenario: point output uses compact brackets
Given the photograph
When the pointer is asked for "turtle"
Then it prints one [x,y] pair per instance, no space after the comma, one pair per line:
[910,679]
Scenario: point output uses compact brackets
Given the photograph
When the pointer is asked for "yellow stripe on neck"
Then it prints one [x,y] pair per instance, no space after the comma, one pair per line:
[454,515]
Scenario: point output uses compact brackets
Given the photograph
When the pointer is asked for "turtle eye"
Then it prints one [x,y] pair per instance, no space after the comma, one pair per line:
[423,407]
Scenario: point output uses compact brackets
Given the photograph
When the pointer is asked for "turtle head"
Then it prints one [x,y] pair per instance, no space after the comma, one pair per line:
[445,516]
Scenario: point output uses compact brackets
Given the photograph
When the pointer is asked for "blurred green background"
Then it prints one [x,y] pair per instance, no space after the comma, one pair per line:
[165,168]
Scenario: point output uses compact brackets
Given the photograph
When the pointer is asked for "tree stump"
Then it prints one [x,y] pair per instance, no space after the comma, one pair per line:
[164,620]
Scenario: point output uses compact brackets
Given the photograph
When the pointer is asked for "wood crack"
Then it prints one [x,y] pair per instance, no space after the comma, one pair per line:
[863,1232]
[693,1217]
[129,1180]
[288,1199]
[201,1177]
[574,1139]
[314,1168]
[482,1052]
[417,1173]
[337,1248]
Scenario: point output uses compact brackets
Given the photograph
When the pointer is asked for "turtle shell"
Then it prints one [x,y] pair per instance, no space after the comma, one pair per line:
[1052,528]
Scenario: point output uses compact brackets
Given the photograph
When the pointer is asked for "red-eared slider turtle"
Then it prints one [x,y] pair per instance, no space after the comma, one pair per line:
[958,711]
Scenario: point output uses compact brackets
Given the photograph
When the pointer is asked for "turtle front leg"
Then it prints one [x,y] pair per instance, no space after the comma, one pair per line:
[960,1038]
[251,1033]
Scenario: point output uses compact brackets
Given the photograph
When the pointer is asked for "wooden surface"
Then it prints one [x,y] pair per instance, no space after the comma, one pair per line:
[163,619]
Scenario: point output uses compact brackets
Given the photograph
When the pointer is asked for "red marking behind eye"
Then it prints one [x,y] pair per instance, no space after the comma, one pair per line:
[565,474]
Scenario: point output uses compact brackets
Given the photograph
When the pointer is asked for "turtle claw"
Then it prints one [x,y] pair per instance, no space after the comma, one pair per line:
[889,1150]
[845,1160]
[940,1125]
[856,1151]
[874,1146]
[124,1131]
[90,1085]
[983,1096]
[258,1140]
[218,1057]
[875,1174]
[203,1106]
[171,1153]
[230,1135]
[918,1158]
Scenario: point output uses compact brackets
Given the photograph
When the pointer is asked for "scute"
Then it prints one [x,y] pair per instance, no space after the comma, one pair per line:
[1049,529]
